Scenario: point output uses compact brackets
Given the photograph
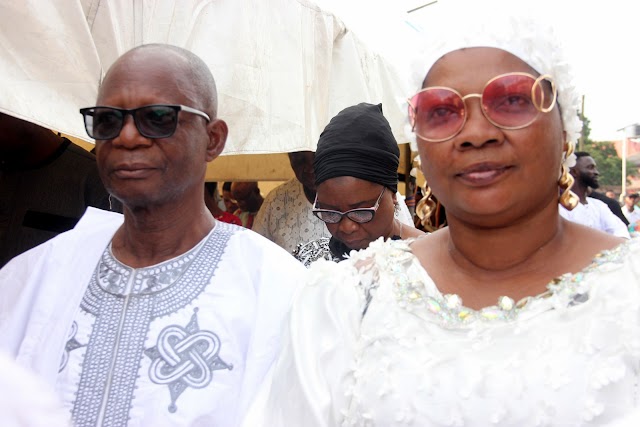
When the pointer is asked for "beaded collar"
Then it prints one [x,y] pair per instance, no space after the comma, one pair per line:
[411,294]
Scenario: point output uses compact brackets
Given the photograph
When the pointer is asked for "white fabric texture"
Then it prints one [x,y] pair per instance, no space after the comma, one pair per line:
[570,359]
[596,214]
[243,305]
[286,217]
[283,67]
[26,401]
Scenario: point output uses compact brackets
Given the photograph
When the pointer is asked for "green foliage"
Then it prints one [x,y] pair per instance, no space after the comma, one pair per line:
[605,156]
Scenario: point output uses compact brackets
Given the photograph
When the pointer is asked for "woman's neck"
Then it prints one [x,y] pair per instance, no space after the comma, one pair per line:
[505,248]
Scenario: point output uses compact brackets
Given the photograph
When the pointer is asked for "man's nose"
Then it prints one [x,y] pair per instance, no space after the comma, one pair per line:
[129,136]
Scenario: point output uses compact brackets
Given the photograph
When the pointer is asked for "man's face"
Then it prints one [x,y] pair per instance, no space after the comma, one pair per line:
[141,171]
[630,201]
[586,172]
[302,165]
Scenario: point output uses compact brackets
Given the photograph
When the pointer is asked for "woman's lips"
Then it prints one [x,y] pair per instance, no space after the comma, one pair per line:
[483,174]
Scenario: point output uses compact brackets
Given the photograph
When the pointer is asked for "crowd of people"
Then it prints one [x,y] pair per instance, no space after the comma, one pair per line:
[322,304]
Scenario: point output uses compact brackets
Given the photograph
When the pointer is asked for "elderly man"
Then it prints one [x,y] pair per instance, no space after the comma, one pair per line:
[154,319]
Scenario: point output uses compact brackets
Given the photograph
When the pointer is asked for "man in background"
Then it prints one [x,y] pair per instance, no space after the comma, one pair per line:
[589,211]
[286,216]
[611,203]
[631,209]
[46,184]
[249,200]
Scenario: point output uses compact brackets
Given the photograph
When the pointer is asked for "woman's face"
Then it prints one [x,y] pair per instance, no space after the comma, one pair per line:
[345,193]
[486,175]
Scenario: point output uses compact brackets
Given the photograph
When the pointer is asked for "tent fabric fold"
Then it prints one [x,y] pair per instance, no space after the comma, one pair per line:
[283,67]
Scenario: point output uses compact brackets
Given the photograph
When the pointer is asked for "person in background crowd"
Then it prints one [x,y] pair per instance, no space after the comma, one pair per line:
[509,316]
[631,209]
[249,200]
[227,198]
[286,217]
[211,201]
[589,211]
[46,184]
[611,203]
[356,172]
[154,318]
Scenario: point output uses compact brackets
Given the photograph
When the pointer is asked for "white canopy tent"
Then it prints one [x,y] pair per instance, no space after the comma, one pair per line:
[283,68]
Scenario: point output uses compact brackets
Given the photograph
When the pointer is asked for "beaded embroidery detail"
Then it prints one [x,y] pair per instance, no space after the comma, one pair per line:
[565,291]
[124,316]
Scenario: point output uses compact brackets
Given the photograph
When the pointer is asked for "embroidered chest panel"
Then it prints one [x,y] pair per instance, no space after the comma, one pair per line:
[122,303]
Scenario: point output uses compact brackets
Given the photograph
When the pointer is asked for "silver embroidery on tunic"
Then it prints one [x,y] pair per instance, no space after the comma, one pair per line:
[124,302]
[185,357]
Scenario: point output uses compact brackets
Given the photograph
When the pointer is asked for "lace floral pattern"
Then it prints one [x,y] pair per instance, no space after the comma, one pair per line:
[396,259]
[568,356]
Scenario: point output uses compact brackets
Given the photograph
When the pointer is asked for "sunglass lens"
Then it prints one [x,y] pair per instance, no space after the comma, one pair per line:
[361,216]
[438,113]
[157,121]
[328,216]
[104,123]
[507,101]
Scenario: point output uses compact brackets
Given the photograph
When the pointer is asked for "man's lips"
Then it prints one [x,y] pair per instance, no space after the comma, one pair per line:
[133,170]
[483,173]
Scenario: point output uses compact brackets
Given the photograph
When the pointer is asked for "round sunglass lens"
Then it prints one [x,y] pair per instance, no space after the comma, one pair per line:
[439,113]
[508,102]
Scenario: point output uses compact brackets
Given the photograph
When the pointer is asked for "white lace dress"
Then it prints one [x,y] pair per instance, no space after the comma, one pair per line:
[381,346]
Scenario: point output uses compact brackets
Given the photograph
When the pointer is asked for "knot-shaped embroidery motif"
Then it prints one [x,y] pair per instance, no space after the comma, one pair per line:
[185,357]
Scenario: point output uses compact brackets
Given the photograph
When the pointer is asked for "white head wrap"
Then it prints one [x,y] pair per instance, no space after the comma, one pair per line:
[525,31]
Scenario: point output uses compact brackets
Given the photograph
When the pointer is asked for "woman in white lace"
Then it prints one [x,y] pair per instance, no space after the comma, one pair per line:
[511,316]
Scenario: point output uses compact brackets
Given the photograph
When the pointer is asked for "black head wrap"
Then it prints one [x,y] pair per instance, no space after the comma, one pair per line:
[358,142]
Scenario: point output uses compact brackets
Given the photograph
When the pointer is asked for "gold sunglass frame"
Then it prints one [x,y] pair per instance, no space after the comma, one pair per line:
[537,81]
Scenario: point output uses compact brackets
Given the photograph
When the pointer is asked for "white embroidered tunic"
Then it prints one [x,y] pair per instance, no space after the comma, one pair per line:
[381,346]
[182,343]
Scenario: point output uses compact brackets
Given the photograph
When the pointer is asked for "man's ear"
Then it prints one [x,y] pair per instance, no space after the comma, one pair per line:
[574,173]
[217,131]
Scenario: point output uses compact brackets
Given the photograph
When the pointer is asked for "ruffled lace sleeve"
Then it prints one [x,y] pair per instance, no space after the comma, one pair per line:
[310,381]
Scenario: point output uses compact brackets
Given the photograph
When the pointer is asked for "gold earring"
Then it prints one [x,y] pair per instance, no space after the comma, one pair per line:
[567,198]
[428,210]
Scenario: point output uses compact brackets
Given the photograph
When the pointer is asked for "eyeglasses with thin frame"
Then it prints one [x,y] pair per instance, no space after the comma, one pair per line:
[509,101]
[152,121]
[359,215]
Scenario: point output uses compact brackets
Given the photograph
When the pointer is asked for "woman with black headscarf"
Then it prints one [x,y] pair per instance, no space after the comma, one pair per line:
[356,169]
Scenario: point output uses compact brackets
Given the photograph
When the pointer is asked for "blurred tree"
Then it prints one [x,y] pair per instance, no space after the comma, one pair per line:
[605,156]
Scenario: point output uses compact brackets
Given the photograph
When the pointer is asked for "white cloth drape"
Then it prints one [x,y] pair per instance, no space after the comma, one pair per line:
[283,67]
